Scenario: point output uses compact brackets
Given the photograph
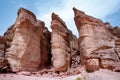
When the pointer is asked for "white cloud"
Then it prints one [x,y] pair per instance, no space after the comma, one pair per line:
[96,8]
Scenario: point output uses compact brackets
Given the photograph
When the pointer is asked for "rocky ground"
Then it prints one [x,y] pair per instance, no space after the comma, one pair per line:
[102,74]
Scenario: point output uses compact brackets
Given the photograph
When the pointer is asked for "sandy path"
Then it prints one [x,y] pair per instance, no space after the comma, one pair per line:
[98,75]
[22,77]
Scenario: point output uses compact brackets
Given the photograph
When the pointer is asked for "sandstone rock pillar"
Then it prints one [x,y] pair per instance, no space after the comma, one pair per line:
[23,41]
[60,44]
[97,44]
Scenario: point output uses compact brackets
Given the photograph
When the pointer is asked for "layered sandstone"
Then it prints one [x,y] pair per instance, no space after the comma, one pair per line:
[2,51]
[28,45]
[23,41]
[63,44]
[97,43]
[60,43]
[116,32]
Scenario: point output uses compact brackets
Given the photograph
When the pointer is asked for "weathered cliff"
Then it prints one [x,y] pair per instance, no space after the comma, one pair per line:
[97,43]
[24,42]
[63,44]
[28,45]
[2,51]
[116,32]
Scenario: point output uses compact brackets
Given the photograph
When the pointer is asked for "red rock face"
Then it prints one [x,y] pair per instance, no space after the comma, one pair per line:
[74,49]
[97,44]
[28,45]
[9,36]
[2,51]
[63,44]
[24,42]
[45,48]
[60,44]
[116,32]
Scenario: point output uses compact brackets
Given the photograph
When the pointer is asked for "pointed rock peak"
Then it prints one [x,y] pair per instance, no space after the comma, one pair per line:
[85,18]
[56,17]
[76,11]
[26,12]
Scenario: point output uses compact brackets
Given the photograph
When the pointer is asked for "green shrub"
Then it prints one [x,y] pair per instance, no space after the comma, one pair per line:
[78,78]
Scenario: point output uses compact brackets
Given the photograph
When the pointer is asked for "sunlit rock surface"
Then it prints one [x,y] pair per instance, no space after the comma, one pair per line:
[97,43]
[24,42]
[63,44]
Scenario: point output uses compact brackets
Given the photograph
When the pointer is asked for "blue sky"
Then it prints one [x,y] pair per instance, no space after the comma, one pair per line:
[107,10]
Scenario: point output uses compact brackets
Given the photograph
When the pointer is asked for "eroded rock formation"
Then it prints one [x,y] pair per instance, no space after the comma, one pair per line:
[24,45]
[63,44]
[74,49]
[2,51]
[116,32]
[60,44]
[28,45]
[97,43]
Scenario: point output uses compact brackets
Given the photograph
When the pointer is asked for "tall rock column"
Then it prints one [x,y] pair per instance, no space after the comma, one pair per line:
[60,44]
[97,44]
[23,41]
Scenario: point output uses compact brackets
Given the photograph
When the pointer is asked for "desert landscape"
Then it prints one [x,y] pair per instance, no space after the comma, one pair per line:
[29,51]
